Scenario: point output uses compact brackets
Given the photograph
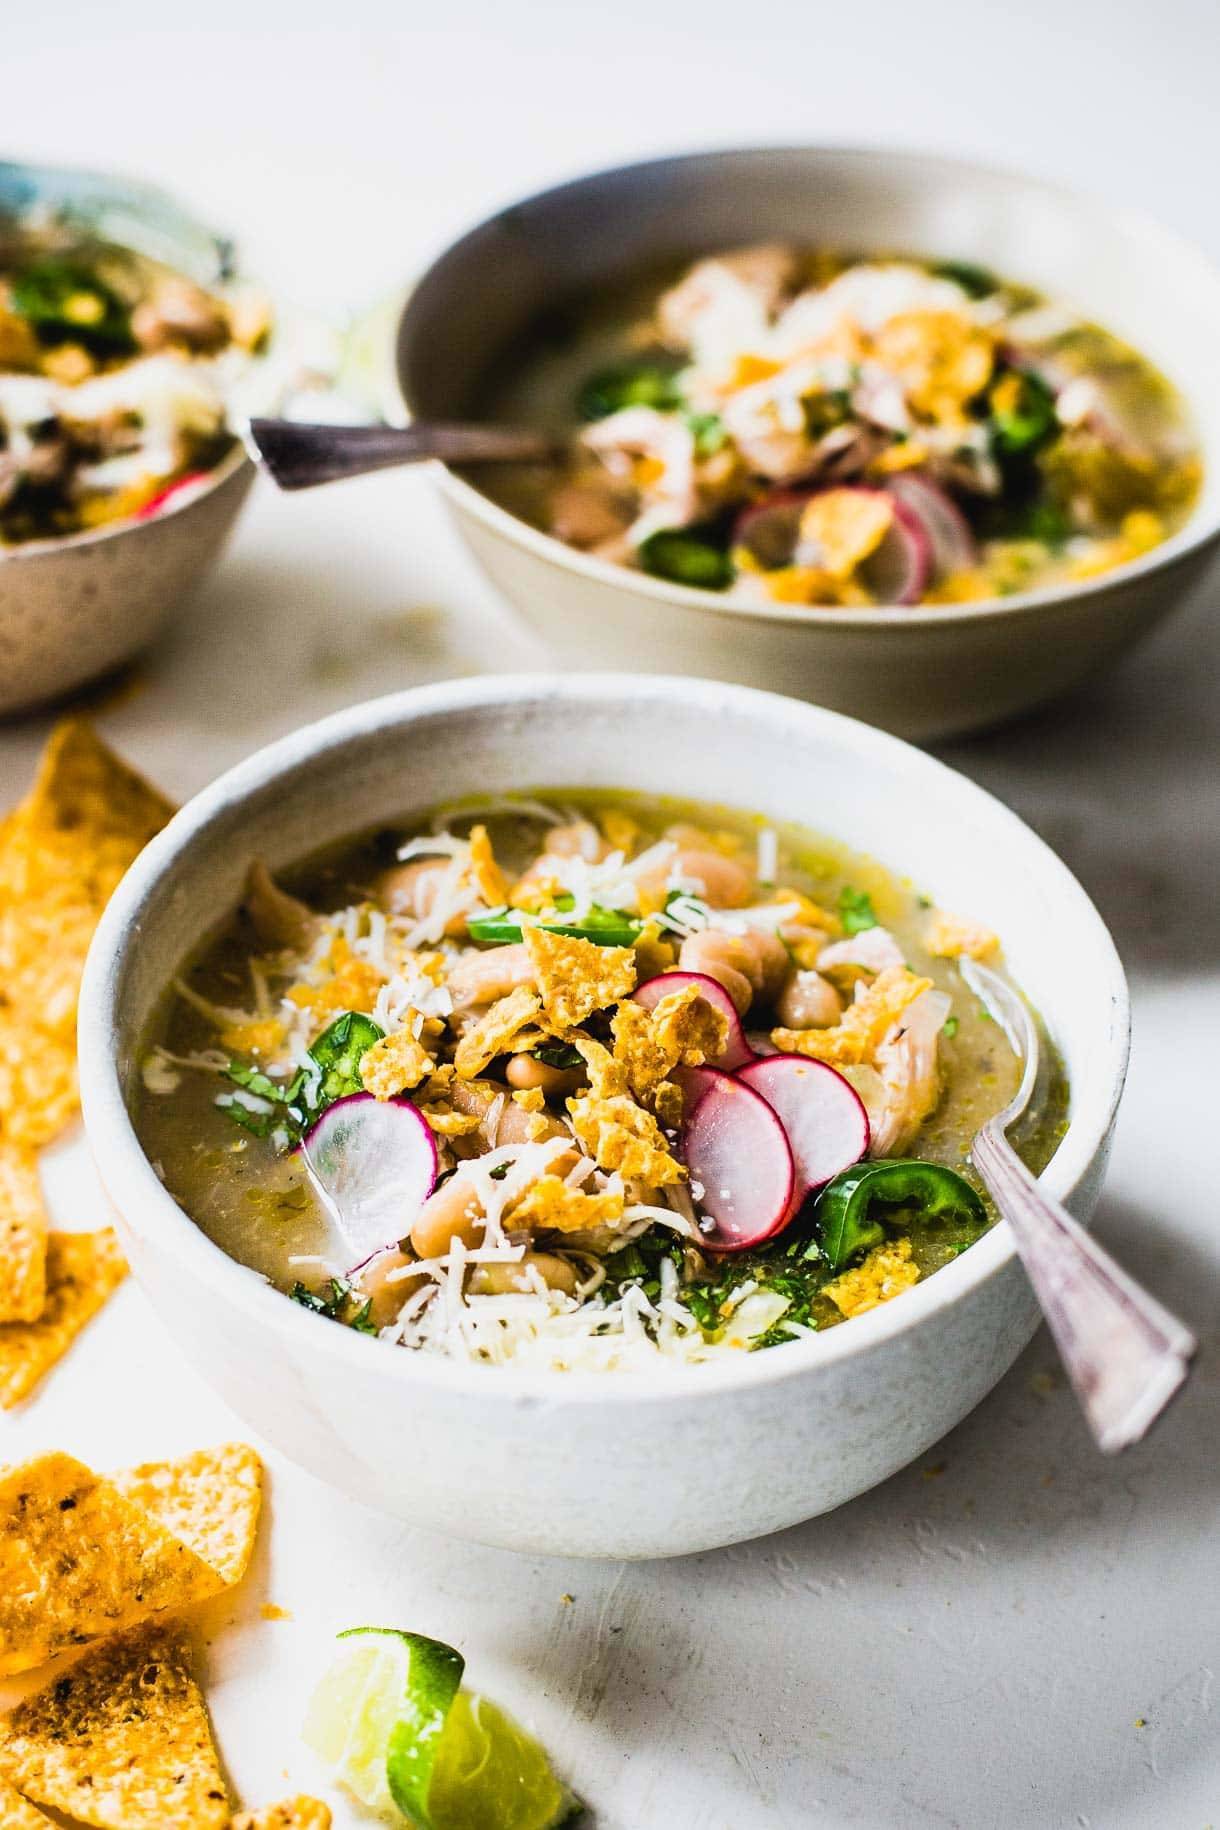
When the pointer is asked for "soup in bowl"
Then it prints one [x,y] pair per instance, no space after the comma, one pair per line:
[919,440]
[578,1104]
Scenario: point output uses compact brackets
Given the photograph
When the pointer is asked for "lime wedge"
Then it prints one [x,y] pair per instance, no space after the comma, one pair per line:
[390,1720]
[490,1774]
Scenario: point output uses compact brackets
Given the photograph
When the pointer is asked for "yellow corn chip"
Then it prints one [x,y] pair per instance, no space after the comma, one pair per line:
[951,936]
[490,879]
[210,1500]
[23,1236]
[292,1814]
[493,1032]
[17,1813]
[577,977]
[83,1269]
[78,1560]
[619,1135]
[550,1202]
[62,853]
[885,1273]
[121,1740]
[394,1064]
[863,1024]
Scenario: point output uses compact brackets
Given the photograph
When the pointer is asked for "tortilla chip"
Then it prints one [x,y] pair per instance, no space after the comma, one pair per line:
[395,1064]
[494,1031]
[682,1030]
[83,1269]
[17,1813]
[121,1740]
[293,1814]
[884,1274]
[23,1236]
[551,1203]
[62,853]
[951,936]
[210,1500]
[863,1024]
[490,879]
[619,1135]
[577,977]
[78,1560]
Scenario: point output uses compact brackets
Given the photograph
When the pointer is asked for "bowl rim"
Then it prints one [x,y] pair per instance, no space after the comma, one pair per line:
[133,1186]
[234,460]
[1200,530]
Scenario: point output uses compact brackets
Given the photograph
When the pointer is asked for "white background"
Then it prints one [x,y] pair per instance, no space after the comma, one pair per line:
[977,1643]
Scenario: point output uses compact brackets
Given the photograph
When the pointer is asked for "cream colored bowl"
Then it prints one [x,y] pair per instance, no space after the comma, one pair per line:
[922,672]
[73,609]
[618,1465]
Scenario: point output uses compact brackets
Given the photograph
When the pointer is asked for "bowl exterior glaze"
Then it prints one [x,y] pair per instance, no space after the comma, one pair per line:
[620,1466]
[71,610]
[922,673]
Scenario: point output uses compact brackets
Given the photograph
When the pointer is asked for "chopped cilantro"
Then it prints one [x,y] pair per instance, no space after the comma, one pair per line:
[559,1055]
[856,910]
[336,1302]
[949,1028]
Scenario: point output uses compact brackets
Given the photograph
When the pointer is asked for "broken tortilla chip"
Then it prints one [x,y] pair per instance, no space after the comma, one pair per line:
[210,1500]
[17,1813]
[78,1560]
[292,1814]
[576,977]
[495,1030]
[23,1236]
[122,1740]
[83,1269]
[62,853]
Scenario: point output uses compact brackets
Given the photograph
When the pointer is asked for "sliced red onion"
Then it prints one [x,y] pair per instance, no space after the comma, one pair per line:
[736,1049]
[953,547]
[822,1114]
[374,1164]
[741,1169]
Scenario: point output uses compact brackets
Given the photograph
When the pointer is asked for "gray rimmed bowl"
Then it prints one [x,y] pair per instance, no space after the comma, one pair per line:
[74,608]
[923,672]
[624,1464]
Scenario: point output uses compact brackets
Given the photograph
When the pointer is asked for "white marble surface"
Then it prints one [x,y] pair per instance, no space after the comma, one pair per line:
[1013,1634]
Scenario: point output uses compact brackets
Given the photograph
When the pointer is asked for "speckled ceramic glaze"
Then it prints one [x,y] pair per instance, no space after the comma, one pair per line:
[922,672]
[626,1465]
[73,609]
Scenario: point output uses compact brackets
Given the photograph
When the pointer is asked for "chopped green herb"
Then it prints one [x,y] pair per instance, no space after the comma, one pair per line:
[1018,431]
[856,910]
[711,434]
[336,1301]
[949,1028]
[649,382]
[977,282]
[559,1055]
[66,302]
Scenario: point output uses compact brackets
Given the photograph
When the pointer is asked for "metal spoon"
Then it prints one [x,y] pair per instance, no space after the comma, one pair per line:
[300,456]
[1125,1355]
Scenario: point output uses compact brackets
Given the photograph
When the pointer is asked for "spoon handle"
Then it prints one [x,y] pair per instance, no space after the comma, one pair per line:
[1125,1354]
[300,456]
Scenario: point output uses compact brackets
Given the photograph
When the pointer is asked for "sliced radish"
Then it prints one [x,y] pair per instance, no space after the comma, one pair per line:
[822,1114]
[180,487]
[901,566]
[769,530]
[953,548]
[741,1169]
[374,1164]
[736,1050]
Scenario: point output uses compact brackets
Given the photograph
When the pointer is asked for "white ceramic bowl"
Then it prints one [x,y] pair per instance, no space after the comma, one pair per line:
[924,671]
[73,609]
[620,1465]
